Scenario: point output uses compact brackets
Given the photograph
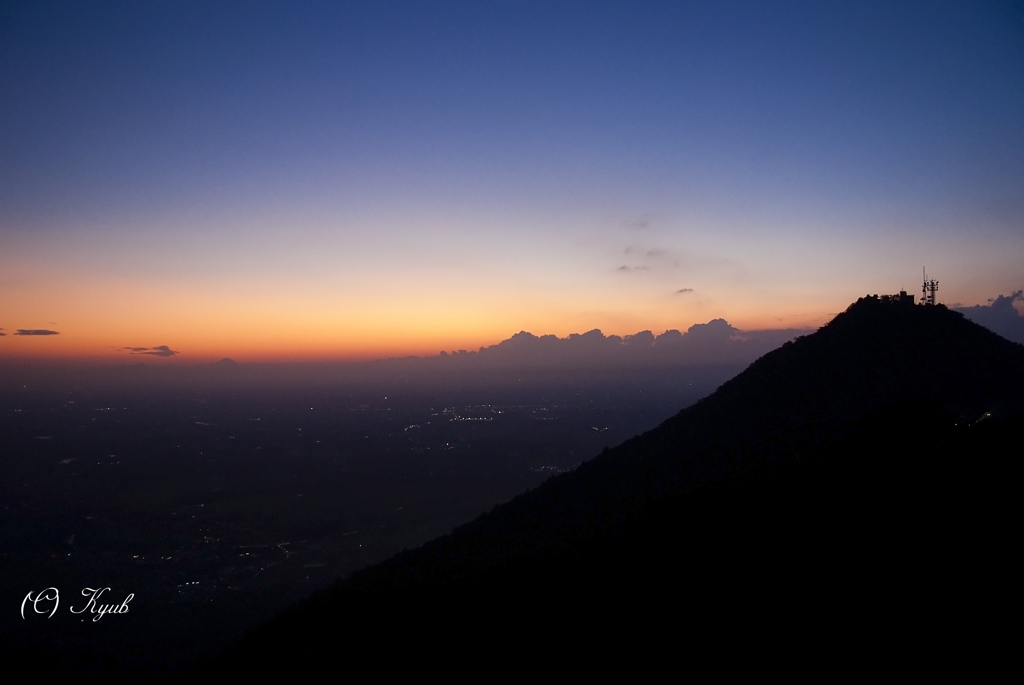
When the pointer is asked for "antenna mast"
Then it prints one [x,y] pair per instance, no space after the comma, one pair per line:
[929,289]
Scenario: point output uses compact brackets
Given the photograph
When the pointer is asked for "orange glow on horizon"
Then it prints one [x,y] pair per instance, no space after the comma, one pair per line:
[307,343]
[390,314]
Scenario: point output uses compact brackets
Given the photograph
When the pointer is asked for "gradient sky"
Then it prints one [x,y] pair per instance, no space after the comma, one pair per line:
[336,180]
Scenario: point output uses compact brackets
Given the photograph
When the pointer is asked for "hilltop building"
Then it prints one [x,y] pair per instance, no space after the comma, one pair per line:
[929,292]
[900,298]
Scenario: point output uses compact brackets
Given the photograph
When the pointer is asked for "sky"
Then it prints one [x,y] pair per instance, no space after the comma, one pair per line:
[293,181]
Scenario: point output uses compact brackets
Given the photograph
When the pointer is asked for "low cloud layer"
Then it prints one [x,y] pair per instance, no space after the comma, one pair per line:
[682,291]
[715,342]
[999,316]
[35,331]
[158,351]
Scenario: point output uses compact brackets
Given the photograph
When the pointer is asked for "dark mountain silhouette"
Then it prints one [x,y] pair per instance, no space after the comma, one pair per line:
[849,494]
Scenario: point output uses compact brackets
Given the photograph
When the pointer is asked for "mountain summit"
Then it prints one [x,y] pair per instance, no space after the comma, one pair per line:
[842,478]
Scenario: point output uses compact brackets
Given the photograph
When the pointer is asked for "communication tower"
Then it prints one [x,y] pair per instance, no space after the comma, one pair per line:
[928,289]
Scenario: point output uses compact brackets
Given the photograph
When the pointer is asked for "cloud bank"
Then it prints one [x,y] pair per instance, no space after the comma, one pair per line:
[715,342]
[35,331]
[999,316]
[158,351]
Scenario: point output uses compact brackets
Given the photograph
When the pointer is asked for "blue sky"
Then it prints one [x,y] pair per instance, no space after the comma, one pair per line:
[351,177]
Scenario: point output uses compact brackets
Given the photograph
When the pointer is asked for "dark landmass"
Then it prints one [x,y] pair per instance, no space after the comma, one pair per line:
[219,506]
[850,495]
[847,495]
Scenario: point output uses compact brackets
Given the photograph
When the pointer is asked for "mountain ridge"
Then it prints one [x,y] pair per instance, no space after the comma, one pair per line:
[819,421]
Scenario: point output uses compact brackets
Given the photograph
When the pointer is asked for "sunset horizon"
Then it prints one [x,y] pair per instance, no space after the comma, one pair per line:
[344,182]
[353,332]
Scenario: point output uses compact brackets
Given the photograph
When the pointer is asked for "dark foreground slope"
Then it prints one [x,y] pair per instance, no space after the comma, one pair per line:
[851,492]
